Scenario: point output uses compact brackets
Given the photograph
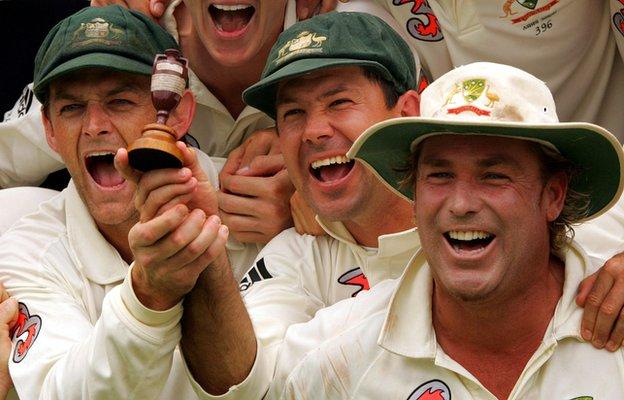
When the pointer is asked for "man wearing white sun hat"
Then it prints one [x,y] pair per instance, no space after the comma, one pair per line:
[486,309]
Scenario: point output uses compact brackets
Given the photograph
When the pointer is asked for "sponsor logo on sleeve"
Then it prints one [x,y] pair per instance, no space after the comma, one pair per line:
[26,331]
[424,25]
[355,277]
[431,390]
[257,273]
[21,107]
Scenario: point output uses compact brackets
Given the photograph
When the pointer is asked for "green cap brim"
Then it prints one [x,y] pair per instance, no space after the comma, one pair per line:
[262,95]
[386,148]
[92,60]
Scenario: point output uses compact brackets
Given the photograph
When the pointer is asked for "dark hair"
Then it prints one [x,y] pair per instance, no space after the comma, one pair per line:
[390,92]
[576,204]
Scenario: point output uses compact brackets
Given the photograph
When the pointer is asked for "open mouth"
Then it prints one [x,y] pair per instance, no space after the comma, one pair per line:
[468,241]
[102,169]
[332,168]
[231,18]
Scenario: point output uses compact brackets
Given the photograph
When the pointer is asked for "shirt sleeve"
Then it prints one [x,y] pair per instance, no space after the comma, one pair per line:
[25,157]
[64,351]
[603,237]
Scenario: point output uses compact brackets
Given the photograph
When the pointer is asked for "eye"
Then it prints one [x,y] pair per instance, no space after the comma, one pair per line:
[340,102]
[439,176]
[121,102]
[292,112]
[70,108]
[495,176]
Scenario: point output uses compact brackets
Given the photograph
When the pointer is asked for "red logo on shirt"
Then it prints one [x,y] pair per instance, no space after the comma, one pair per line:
[26,331]
[431,390]
[355,277]
[618,19]
[424,26]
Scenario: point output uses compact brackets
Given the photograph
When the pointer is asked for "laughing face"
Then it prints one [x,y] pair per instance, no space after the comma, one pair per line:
[319,116]
[482,209]
[235,32]
[90,115]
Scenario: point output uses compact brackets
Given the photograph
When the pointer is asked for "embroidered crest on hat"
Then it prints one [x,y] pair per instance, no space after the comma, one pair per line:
[98,30]
[305,43]
[472,90]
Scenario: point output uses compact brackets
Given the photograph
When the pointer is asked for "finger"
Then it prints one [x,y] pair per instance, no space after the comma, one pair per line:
[302,9]
[122,165]
[593,303]
[3,293]
[259,145]
[238,205]
[265,165]
[153,180]
[203,237]
[8,314]
[232,164]
[617,335]
[178,239]
[166,195]
[148,233]
[584,289]
[328,5]
[256,186]
[608,312]
[157,8]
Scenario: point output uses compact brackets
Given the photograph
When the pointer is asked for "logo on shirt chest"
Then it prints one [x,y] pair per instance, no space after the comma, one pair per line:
[530,13]
[26,331]
[355,277]
[431,390]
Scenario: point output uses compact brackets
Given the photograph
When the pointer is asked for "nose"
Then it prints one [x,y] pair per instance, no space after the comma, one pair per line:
[317,128]
[464,201]
[95,120]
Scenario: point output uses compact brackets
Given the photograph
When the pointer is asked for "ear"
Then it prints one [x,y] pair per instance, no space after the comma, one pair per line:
[49,130]
[408,104]
[554,195]
[182,115]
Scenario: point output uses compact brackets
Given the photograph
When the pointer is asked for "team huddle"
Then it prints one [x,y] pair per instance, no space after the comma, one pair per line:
[377,199]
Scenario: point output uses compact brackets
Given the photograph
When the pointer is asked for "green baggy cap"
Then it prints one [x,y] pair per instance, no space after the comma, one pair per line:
[333,40]
[110,37]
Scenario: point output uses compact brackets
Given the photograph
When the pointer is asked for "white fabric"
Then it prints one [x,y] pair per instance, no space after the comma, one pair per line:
[20,201]
[95,340]
[382,345]
[306,272]
[603,237]
[569,44]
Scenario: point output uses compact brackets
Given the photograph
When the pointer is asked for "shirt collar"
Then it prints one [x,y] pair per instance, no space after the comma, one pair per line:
[408,328]
[388,246]
[97,258]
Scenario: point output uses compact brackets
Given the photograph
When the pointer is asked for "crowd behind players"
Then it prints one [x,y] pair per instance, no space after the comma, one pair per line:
[240,154]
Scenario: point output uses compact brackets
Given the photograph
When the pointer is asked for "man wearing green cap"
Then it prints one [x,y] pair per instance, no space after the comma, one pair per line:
[487,308]
[326,81]
[90,325]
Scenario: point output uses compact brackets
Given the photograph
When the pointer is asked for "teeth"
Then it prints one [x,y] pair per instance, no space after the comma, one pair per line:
[468,235]
[329,161]
[233,7]
[101,153]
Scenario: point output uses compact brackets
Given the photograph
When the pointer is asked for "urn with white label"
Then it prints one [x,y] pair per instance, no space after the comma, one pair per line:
[156,147]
